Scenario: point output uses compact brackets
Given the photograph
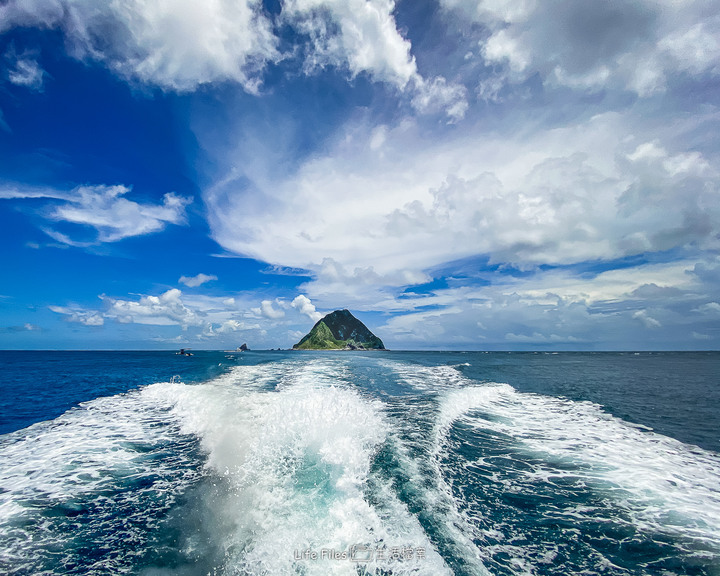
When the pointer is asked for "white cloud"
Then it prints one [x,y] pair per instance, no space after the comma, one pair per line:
[362,35]
[304,305]
[195,281]
[437,95]
[646,320]
[185,44]
[266,310]
[168,309]
[86,317]
[658,305]
[115,217]
[366,40]
[207,316]
[106,210]
[197,318]
[650,306]
[25,71]
[712,308]
[538,338]
[230,326]
[589,45]
[594,190]
[176,46]
[14,193]
[694,47]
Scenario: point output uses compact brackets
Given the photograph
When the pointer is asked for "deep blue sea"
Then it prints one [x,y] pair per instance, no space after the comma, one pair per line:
[384,463]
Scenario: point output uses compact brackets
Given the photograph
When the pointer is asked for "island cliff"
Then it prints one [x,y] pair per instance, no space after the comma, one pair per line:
[339,330]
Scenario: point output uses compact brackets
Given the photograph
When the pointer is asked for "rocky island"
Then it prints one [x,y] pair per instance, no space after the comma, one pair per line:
[339,330]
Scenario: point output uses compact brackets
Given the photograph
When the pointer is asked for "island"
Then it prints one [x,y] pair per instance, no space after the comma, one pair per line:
[339,330]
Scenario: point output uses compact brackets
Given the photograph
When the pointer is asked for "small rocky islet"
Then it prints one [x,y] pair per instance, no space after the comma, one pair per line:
[339,330]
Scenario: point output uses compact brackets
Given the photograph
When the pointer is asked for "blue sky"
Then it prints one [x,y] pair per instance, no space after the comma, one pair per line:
[495,175]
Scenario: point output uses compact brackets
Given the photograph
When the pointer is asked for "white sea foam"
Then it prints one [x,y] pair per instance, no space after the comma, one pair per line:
[419,454]
[286,468]
[427,378]
[658,485]
[296,463]
[73,471]
[661,484]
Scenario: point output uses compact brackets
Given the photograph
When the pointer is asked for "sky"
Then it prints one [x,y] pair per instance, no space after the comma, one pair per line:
[470,175]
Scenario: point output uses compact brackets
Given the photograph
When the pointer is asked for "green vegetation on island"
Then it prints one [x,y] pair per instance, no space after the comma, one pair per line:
[339,330]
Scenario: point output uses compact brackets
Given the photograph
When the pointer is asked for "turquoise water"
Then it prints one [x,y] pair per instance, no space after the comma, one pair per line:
[359,463]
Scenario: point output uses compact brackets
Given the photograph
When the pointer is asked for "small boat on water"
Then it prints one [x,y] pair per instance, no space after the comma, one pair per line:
[184,352]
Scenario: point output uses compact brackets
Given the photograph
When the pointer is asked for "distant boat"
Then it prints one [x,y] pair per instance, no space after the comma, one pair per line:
[184,352]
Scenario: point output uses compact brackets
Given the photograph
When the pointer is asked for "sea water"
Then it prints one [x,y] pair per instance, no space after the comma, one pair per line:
[321,463]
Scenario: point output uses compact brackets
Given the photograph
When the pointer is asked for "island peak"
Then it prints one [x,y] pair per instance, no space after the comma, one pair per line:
[339,330]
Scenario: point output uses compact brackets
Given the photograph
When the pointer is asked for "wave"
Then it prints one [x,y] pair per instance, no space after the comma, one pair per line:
[296,463]
[98,478]
[302,466]
[552,466]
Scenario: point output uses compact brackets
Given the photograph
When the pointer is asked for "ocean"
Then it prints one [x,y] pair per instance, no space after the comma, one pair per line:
[383,463]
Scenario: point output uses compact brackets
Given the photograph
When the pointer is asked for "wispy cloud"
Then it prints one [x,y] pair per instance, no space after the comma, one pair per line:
[27,327]
[75,314]
[25,70]
[15,193]
[104,209]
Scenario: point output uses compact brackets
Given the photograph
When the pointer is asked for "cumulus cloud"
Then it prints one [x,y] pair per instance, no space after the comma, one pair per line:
[195,281]
[615,309]
[177,47]
[206,315]
[266,310]
[656,304]
[185,45]
[305,306]
[591,190]
[167,309]
[646,320]
[106,210]
[201,319]
[230,326]
[366,39]
[634,46]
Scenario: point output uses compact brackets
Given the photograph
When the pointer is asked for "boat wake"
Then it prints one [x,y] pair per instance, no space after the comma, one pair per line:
[338,465]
